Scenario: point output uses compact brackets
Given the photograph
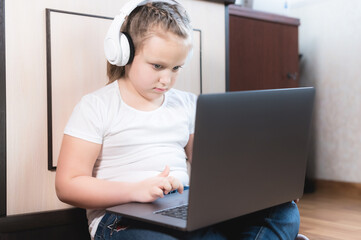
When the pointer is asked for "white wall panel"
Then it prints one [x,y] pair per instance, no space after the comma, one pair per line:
[30,185]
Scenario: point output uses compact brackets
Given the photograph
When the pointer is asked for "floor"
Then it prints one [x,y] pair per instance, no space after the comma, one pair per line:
[332,212]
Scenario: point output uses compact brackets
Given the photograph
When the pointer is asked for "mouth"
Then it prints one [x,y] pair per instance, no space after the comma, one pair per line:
[160,89]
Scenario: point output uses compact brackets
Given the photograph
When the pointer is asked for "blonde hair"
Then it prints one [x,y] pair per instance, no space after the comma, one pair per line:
[146,20]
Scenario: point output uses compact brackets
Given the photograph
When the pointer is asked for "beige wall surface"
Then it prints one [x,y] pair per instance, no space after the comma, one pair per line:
[30,185]
[330,41]
[77,66]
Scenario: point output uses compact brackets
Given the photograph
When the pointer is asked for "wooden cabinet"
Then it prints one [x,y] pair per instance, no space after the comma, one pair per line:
[262,50]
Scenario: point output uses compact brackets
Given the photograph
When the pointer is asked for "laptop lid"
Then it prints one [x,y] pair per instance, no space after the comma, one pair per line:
[250,152]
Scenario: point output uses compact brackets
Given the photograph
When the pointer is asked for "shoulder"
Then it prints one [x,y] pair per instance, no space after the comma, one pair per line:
[92,115]
[103,96]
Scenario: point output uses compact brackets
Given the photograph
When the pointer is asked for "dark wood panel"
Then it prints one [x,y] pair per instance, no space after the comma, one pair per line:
[61,224]
[262,51]
[249,13]
[67,232]
[289,56]
[254,54]
[2,111]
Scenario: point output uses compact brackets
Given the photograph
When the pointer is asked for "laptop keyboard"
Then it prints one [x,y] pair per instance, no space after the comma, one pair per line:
[176,212]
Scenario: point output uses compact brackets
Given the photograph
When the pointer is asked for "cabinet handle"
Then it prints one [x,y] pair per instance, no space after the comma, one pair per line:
[292,76]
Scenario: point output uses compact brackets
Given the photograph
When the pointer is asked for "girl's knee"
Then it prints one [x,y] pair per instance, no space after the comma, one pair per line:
[294,215]
[285,220]
[295,218]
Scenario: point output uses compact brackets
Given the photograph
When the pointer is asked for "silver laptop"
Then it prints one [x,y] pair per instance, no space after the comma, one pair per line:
[250,151]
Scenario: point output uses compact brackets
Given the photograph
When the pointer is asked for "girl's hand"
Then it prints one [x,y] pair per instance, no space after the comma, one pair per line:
[153,188]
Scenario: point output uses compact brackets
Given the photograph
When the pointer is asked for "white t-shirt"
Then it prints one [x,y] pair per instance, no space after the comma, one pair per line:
[135,144]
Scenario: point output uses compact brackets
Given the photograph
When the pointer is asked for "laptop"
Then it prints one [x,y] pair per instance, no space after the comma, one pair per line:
[249,153]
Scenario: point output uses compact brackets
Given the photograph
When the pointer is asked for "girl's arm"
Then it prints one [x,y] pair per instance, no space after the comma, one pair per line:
[189,148]
[76,186]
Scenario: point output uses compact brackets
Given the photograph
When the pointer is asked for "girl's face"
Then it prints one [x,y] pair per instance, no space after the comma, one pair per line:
[156,65]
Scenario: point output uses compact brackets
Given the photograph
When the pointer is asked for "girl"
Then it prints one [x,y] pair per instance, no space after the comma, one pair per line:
[129,141]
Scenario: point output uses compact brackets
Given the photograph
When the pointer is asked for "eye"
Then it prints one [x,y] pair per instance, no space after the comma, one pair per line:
[157,66]
[176,68]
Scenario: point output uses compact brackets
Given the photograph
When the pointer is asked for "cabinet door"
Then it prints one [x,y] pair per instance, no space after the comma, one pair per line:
[262,54]
[289,56]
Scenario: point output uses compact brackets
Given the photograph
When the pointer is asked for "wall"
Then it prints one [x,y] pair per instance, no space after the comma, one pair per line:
[30,185]
[330,38]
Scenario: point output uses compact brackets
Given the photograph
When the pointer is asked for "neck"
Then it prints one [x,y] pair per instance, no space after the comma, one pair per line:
[136,100]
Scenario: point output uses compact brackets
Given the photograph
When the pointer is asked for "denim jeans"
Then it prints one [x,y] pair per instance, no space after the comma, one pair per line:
[279,222]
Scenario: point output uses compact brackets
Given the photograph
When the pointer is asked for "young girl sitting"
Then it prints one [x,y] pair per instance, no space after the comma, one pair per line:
[129,141]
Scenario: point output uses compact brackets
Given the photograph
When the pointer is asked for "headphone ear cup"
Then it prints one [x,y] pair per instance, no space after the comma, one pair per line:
[124,50]
[111,50]
[120,51]
[112,43]
[118,46]
[130,48]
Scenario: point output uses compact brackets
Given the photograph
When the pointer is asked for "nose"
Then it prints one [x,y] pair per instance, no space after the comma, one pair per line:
[165,78]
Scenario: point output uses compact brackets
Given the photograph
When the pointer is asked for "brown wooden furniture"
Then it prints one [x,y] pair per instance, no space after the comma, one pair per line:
[262,50]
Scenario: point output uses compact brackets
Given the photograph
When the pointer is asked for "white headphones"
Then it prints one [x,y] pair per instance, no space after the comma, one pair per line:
[118,46]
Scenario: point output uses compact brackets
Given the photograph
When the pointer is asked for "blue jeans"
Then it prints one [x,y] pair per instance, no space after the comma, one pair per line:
[279,222]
